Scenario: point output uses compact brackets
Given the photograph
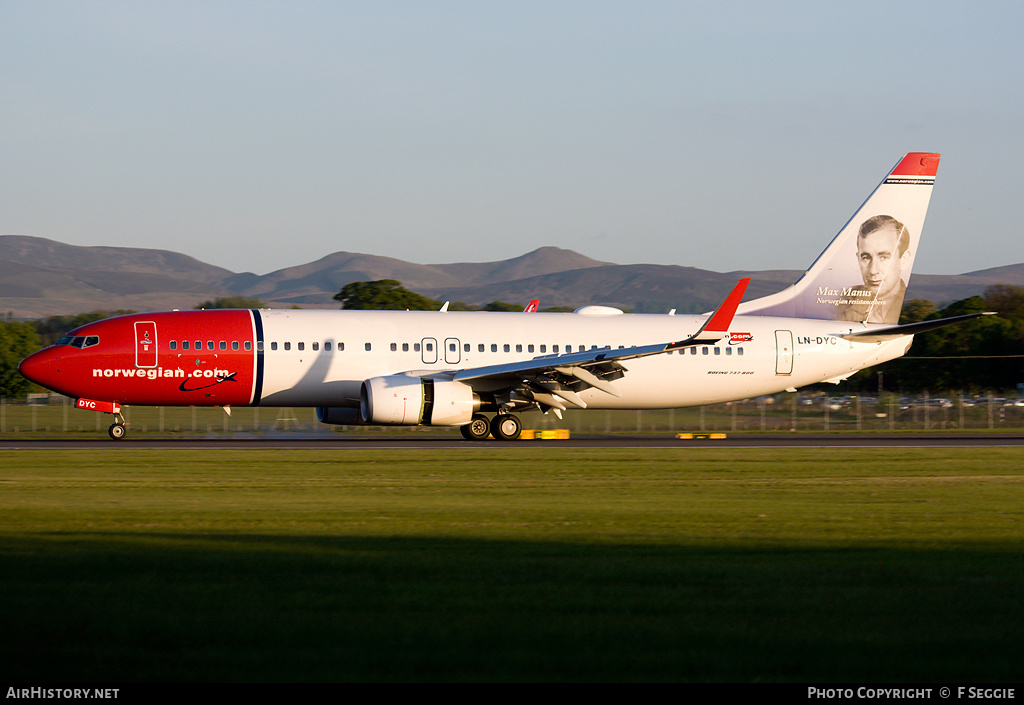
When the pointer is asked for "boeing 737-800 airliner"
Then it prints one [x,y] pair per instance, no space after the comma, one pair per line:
[477,370]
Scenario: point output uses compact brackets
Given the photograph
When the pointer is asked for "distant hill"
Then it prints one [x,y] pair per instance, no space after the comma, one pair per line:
[43,277]
[40,277]
[308,283]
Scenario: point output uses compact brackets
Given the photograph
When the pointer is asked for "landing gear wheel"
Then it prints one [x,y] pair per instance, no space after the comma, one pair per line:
[506,427]
[476,430]
[117,431]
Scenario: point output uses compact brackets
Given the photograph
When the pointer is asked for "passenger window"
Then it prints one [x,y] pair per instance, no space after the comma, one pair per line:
[234,345]
[704,350]
[466,347]
[223,345]
[327,345]
[739,351]
[554,348]
[718,350]
[174,345]
[288,346]
[316,346]
[494,347]
[394,347]
[300,346]
[728,351]
[693,351]
[248,345]
[273,345]
[507,348]
[209,345]
[367,346]
[405,347]
[480,347]
[199,345]
[519,348]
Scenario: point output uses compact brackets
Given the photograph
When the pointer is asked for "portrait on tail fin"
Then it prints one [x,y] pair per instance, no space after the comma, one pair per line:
[862,275]
[883,252]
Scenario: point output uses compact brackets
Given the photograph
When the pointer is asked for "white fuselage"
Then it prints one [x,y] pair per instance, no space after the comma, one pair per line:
[320,358]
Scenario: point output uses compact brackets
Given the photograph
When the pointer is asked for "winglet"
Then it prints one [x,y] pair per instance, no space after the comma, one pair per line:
[717,325]
[721,319]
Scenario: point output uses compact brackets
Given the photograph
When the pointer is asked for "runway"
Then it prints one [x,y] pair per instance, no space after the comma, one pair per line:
[438,442]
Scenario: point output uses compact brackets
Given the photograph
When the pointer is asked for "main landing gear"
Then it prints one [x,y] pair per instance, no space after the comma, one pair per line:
[504,427]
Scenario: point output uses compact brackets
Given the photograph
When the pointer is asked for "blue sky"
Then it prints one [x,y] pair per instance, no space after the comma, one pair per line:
[721,135]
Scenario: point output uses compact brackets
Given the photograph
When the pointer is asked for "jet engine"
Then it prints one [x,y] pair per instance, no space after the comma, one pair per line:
[340,415]
[403,400]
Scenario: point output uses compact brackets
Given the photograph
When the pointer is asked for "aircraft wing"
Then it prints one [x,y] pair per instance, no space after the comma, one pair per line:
[554,381]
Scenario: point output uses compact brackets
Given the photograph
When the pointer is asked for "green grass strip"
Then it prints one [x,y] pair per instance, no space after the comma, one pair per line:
[512,564]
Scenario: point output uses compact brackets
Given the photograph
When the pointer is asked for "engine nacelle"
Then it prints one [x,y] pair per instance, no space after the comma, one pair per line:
[340,415]
[402,400]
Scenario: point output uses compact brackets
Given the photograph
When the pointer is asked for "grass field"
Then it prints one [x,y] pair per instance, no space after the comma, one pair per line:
[511,564]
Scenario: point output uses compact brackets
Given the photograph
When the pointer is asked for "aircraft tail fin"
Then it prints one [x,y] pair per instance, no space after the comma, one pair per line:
[862,275]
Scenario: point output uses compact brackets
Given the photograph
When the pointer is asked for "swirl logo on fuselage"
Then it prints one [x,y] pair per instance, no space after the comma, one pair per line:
[218,379]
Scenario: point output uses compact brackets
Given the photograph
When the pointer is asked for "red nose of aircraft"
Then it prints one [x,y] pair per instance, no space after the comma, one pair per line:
[43,368]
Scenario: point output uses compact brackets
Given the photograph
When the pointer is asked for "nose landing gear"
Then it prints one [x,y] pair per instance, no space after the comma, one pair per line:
[118,429]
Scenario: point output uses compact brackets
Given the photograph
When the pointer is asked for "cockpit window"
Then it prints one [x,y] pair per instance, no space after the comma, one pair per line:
[79,341]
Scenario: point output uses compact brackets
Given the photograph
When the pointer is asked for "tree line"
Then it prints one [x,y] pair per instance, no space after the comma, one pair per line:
[981,355]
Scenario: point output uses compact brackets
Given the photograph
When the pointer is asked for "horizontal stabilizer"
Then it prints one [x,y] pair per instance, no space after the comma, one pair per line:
[891,332]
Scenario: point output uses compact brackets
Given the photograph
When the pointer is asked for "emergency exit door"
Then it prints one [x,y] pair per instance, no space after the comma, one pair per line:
[452,355]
